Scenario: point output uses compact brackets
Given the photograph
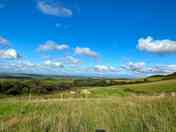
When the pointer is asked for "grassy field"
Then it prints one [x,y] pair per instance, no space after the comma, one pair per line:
[127,114]
[157,88]
[143,107]
[151,88]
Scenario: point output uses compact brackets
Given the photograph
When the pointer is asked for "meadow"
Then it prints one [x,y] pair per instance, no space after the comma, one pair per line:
[129,107]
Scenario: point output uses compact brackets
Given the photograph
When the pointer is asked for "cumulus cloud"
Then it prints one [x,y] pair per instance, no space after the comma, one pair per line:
[103,68]
[72,60]
[6,52]
[26,63]
[56,67]
[26,66]
[86,52]
[66,60]
[161,69]
[9,54]
[52,46]
[141,67]
[136,67]
[54,9]
[51,63]
[4,41]
[157,46]
[21,66]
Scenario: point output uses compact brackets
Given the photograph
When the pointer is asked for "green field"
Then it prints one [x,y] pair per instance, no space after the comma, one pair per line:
[152,88]
[127,114]
[140,107]
[157,88]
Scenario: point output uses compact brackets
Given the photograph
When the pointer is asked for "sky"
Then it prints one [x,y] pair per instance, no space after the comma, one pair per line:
[88,37]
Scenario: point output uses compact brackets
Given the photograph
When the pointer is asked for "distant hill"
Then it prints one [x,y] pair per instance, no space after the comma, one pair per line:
[18,76]
[162,77]
[44,76]
[170,76]
[156,76]
[38,76]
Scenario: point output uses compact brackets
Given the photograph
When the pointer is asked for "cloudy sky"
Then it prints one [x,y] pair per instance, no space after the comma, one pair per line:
[88,37]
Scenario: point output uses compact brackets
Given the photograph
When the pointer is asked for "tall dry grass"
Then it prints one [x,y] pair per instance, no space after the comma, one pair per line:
[118,114]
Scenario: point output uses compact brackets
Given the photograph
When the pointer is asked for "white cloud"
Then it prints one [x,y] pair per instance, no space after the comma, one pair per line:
[4,41]
[135,67]
[22,65]
[51,63]
[66,60]
[56,67]
[72,60]
[52,46]
[54,9]
[9,54]
[86,52]
[157,46]
[26,66]
[161,69]
[141,67]
[103,68]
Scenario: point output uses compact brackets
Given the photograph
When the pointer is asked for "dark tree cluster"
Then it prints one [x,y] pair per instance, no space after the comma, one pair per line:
[17,87]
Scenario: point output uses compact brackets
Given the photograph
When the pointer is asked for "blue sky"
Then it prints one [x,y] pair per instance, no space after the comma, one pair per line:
[88,37]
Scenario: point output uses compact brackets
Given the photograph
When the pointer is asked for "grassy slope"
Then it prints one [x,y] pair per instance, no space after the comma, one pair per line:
[128,114]
[166,86]
[112,112]
[151,88]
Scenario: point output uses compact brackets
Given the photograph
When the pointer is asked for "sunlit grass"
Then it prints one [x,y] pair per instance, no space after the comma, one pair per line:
[123,114]
[146,107]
